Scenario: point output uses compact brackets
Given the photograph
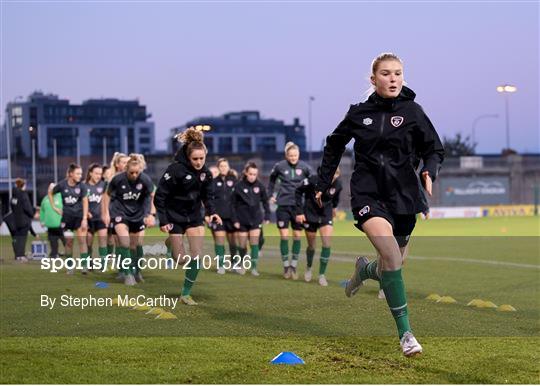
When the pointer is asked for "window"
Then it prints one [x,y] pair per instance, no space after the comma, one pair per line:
[209,142]
[144,140]
[225,145]
[131,139]
[16,110]
[144,130]
[265,144]
[66,141]
[112,136]
[244,144]
[16,116]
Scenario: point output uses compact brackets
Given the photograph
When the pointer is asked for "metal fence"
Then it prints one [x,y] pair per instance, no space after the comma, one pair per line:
[522,173]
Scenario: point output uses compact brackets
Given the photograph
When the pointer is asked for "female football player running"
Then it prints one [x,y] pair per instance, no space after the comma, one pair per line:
[183,188]
[289,173]
[124,205]
[313,217]
[249,193]
[391,132]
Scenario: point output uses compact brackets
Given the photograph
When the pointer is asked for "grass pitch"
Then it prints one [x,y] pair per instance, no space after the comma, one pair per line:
[243,322]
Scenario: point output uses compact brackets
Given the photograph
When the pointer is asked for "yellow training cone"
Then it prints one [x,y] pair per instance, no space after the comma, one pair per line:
[447,299]
[155,311]
[166,315]
[434,297]
[475,303]
[487,304]
[141,308]
[506,308]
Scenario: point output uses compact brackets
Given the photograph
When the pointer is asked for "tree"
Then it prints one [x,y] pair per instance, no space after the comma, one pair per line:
[458,146]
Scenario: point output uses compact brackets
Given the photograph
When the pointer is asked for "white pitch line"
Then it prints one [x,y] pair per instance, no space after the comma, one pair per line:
[345,257]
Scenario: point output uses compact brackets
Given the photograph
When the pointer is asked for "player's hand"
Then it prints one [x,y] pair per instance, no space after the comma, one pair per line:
[266,222]
[166,228]
[237,225]
[426,215]
[426,181]
[149,221]
[90,215]
[207,220]
[300,219]
[59,211]
[334,212]
[272,200]
[318,198]
[216,218]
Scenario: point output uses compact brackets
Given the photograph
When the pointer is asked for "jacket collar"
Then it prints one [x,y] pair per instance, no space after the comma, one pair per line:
[389,103]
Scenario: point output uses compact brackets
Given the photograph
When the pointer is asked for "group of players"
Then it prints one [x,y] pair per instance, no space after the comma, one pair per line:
[117,203]
[393,137]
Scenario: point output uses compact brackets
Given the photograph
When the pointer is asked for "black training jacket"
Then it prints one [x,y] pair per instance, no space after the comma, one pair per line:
[181,190]
[223,187]
[22,209]
[246,203]
[390,136]
[307,205]
[289,177]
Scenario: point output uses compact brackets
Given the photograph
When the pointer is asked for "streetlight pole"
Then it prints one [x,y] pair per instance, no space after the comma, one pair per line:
[55,158]
[34,185]
[310,102]
[506,89]
[7,126]
[9,129]
[104,150]
[476,121]
[78,150]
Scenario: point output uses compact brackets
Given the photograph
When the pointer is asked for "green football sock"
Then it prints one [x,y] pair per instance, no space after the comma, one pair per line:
[254,255]
[123,254]
[310,252]
[242,252]
[85,259]
[102,252]
[284,248]
[220,253]
[69,257]
[233,250]
[191,276]
[169,251]
[296,249]
[110,250]
[132,267]
[394,290]
[102,255]
[138,257]
[325,256]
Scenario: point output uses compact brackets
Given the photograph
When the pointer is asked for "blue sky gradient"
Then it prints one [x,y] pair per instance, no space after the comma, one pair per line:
[190,59]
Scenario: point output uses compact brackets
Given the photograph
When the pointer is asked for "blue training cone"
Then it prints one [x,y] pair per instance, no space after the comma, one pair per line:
[102,284]
[287,358]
